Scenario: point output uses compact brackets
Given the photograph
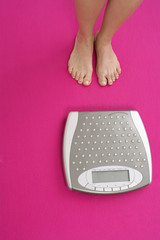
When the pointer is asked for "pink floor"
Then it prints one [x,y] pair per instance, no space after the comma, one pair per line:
[37,93]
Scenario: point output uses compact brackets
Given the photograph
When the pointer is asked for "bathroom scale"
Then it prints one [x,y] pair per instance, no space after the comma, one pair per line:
[106,152]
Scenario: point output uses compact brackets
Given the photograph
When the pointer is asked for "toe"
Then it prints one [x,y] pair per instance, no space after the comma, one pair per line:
[102,80]
[77,76]
[112,77]
[116,75]
[87,79]
[73,73]
[80,80]
[109,79]
[70,69]
[118,70]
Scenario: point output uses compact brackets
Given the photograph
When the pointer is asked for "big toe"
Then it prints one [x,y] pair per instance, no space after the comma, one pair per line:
[102,80]
[87,79]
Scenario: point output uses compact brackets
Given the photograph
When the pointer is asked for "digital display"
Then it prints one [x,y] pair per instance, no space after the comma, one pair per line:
[110,176]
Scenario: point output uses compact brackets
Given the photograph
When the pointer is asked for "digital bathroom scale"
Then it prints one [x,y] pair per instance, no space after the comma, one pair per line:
[106,152]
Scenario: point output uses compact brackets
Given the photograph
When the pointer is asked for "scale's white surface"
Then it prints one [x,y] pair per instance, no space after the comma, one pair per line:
[106,152]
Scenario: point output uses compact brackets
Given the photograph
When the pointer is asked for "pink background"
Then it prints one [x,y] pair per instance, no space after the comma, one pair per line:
[37,93]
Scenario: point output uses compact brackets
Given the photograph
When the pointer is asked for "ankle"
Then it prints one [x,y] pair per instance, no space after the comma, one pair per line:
[102,38]
[87,37]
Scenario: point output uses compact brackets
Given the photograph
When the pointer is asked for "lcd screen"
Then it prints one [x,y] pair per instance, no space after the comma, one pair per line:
[110,176]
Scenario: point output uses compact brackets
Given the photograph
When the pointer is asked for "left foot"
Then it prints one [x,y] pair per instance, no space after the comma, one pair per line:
[108,67]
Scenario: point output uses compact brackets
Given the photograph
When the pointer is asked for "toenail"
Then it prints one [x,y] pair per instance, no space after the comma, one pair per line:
[86,82]
[103,83]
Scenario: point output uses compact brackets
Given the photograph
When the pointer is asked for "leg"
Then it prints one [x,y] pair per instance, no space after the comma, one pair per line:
[80,62]
[117,11]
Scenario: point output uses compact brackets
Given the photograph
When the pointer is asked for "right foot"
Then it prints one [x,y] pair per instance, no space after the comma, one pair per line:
[80,62]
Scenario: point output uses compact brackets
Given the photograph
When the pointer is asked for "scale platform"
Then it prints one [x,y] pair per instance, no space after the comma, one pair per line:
[106,152]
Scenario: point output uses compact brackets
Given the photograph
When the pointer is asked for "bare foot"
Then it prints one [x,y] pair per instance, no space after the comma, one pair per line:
[108,67]
[80,62]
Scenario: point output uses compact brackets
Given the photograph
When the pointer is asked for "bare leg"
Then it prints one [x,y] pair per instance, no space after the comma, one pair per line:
[80,62]
[117,11]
